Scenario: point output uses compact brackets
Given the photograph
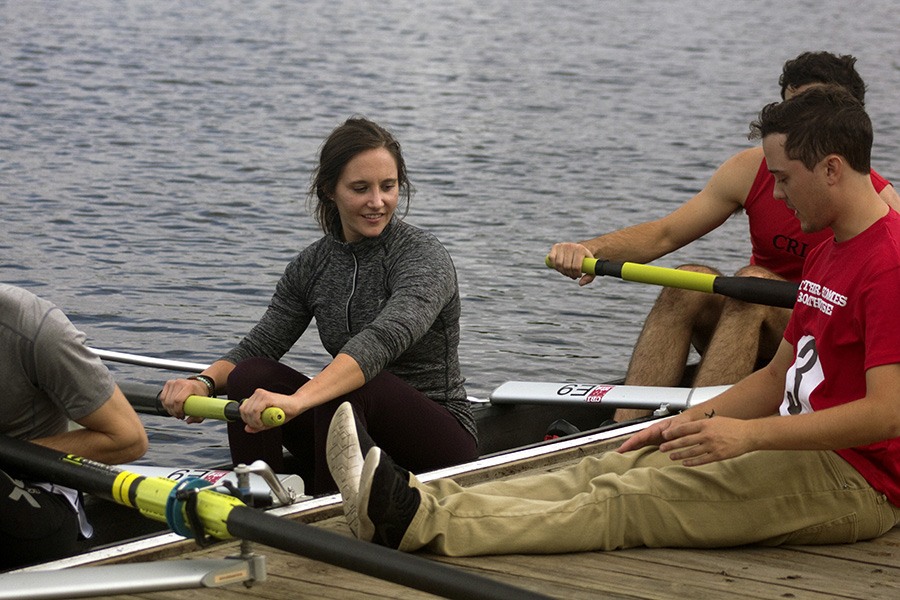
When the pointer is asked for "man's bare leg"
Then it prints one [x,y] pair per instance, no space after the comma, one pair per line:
[678,318]
[746,336]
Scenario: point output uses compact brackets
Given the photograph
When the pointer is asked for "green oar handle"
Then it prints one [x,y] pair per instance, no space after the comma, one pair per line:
[758,290]
[227,410]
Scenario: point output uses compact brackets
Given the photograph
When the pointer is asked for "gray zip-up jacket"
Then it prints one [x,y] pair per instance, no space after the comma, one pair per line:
[390,302]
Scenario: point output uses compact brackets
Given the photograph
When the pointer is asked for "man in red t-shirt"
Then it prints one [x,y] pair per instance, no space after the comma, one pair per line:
[733,337]
[730,471]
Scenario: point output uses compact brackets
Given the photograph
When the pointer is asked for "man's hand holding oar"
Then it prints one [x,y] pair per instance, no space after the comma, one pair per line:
[758,290]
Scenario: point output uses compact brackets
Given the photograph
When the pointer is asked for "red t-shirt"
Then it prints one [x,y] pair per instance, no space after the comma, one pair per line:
[845,322]
[777,241]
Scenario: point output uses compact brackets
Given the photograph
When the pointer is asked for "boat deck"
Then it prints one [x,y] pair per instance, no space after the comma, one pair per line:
[865,571]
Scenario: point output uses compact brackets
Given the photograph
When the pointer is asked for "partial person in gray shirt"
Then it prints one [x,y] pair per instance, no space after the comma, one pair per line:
[385,299]
[51,379]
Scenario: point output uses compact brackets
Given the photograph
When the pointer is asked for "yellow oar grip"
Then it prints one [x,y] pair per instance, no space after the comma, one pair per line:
[227,410]
[272,416]
[686,280]
[629,271]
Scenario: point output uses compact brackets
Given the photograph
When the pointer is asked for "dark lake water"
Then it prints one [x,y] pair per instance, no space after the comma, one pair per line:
[154,156]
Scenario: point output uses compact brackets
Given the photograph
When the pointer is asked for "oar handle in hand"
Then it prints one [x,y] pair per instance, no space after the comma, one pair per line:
[144,399]
[758,290]
[227,410]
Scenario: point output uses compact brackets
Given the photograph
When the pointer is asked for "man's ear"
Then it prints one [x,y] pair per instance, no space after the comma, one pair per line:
[834,167]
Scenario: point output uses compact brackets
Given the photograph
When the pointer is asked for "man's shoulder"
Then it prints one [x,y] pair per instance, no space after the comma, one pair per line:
[746,162]
[13,295]
[734,178]
[21,309]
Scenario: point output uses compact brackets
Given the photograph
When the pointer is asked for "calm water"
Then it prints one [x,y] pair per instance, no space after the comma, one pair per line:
[154,156]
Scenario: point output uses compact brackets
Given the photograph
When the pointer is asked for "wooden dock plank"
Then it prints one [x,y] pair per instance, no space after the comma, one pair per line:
[798,573]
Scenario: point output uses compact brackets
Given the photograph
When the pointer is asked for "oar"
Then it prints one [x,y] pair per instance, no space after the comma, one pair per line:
[227,410]
[758,290]
[222,517]
[603,395]
[145,400]
[149,361]
[194,406]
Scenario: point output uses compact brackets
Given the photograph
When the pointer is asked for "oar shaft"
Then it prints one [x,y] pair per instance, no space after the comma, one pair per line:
[149,361]
[758,290]
[603,395]
[149,495]
[390,565]
[38,462]
[223,516]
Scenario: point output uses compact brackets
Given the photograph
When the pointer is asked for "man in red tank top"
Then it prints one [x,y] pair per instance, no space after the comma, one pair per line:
[733,337]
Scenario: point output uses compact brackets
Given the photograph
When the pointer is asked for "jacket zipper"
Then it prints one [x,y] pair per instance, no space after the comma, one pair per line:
[352,290]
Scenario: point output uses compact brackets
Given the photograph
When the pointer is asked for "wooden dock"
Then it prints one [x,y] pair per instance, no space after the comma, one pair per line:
[864,571]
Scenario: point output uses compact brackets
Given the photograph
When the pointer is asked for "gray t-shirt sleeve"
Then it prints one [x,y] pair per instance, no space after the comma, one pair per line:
[73,377]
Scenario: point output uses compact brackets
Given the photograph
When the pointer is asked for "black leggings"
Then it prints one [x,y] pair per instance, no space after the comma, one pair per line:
[418,433]
[35,525]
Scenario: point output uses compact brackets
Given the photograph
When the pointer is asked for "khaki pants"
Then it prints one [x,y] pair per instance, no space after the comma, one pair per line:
[643,498]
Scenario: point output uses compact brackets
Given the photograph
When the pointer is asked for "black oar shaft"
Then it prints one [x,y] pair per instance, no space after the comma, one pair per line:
[390,565]
[757,290]
[40,463]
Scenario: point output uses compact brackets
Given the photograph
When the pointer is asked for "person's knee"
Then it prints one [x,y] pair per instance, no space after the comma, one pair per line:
[253,373]
[686,302]
[695,268]
[248,370]
[756,271]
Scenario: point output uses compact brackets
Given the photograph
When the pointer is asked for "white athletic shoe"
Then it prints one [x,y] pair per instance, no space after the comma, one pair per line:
[345,452]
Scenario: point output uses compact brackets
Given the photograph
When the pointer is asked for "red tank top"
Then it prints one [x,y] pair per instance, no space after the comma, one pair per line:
[777,241]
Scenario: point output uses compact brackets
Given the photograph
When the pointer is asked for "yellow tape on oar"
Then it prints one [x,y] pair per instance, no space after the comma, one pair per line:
[758,290]
[153,498]
[629,271]
[686,280]
[227,410]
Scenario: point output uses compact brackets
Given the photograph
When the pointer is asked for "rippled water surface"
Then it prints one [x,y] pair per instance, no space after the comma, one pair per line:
[154,156]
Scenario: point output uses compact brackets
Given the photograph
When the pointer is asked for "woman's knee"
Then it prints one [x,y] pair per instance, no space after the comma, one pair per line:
[258,372]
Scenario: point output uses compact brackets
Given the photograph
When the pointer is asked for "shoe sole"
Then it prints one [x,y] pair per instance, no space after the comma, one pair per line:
[366,531]
[345,461]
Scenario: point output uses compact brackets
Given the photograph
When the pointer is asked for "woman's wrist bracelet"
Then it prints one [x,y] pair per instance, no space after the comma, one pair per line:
[208,381]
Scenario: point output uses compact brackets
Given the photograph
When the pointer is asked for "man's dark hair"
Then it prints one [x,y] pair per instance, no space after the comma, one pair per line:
[820,121]
[823,67]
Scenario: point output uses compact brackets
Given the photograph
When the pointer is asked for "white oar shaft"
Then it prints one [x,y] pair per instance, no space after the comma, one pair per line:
[149,361]
[620,396]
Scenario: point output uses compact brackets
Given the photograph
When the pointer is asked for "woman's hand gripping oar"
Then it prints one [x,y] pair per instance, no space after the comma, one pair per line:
[227,410]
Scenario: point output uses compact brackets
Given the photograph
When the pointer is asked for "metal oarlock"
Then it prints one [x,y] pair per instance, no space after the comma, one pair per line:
[260,467]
